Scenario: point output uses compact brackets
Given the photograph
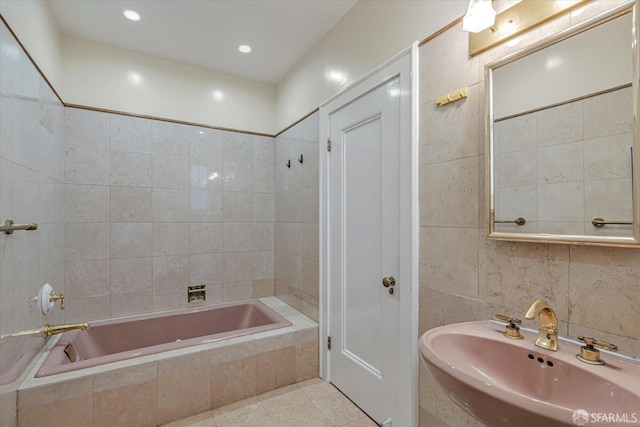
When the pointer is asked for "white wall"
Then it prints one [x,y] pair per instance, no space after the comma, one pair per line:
[115,79]
[94,75]
[33,23]
[369,34]
[602,57]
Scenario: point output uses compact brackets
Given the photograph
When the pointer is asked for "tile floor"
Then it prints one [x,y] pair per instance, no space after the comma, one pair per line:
[312,403]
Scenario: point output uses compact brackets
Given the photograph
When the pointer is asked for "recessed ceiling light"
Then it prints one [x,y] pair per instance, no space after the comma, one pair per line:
[132,15]
[244,48]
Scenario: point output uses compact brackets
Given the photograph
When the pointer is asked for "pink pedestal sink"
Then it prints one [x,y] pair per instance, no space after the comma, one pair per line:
[513,383]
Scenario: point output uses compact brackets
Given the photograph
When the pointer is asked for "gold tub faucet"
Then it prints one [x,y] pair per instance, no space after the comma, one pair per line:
[49,330]
[548,324]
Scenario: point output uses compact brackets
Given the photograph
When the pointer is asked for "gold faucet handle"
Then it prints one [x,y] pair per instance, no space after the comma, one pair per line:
[511,320]
[54,298]
[592,342]
[513,330]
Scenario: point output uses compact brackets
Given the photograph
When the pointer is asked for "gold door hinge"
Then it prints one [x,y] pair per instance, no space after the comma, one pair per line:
[328,144]
[329,343]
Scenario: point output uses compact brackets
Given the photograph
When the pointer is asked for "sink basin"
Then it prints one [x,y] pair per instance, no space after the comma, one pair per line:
[507,382]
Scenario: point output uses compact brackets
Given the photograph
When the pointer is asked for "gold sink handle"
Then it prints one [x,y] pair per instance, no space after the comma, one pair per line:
[590,354]
[513,328]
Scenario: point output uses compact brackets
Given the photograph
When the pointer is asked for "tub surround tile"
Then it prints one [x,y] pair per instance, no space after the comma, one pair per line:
[234,349]
[86,165]
[237,147]
[76,411]
[170,272]
[275,369]
[52,393]
[129,168]
[306,360]
[263,207]
[171,170]
[156,189]
[87,128]
[205,238]
[206,269]
[85,241]
[86,203]
[262,288]
[237,291]
[183,393]
[170,205]
[237,176]
[131,134]
[263,178]
[262,265]
[131,239]
[168,299]
[170,238]
[170,138]
[237,266]
[134,404]
[130,303]
[87,309]
[8,408]
[233,381]
[263,150]
[131,375]
[131,204]
[205,206]
[84,279]
[131,275]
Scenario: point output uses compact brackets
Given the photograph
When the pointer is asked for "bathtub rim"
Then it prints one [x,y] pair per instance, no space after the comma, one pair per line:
[277,321]
[299,322]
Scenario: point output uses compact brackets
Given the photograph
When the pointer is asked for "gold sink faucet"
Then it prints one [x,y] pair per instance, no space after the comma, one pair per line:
[548,324]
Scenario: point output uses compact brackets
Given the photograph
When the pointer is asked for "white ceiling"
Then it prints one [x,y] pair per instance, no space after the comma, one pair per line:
[207,33]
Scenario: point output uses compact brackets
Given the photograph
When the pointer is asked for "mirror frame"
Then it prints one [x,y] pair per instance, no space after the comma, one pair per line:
[612,241]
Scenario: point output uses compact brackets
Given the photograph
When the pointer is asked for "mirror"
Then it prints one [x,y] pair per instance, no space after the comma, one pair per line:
[561,130]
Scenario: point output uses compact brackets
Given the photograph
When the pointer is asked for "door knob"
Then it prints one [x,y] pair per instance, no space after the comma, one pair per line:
[389,282]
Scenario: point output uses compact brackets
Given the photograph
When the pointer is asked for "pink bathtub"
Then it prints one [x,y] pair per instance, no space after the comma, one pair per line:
[114,340]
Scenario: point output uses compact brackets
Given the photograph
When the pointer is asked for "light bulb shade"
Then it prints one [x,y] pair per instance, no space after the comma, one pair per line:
[480,16]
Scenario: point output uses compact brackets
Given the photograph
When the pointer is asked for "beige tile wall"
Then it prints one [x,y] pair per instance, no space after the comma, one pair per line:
[571,167]
[463,277]
[152,207]
[31,190]
[296,222]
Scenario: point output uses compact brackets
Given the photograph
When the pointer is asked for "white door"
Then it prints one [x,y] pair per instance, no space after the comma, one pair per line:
[370,140]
